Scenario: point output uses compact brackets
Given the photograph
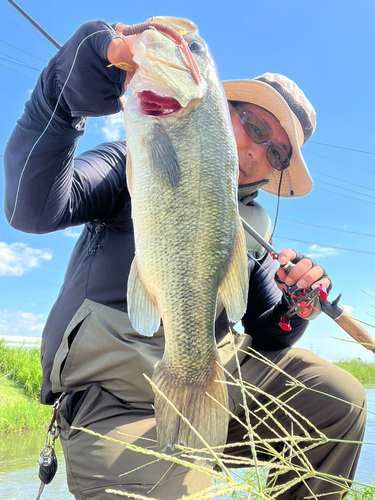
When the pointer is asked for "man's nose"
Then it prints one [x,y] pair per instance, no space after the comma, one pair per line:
[257,151]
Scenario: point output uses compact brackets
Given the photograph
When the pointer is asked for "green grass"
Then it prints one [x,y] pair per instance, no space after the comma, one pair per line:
[20,382]
[361,370]
[362,493]
[248,476]
[17,410]
[22,364]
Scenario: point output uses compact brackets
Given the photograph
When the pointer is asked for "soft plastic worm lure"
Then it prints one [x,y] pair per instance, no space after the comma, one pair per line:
[135,29]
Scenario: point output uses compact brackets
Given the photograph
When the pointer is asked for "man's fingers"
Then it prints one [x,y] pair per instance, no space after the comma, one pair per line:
[296,272]
[119,54]
[304,274]
[286,255]
[325,281]
[310,277]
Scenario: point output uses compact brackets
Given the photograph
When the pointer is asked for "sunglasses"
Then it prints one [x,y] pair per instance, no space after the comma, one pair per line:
[256,129]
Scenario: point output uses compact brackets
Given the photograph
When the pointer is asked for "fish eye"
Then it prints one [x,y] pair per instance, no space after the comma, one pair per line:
[195,46]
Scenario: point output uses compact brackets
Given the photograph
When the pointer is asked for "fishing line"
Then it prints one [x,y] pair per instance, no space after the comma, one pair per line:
[49,122]
[258,261]
[277,205]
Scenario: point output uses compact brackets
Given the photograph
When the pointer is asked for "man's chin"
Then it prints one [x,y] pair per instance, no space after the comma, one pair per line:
[243,179]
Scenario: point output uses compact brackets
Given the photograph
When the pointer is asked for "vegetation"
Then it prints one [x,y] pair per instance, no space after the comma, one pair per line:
[22,364]
[20,382]
[364,372]
[366,492]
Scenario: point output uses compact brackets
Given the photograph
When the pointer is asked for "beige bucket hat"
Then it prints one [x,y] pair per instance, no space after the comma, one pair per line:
[280,96]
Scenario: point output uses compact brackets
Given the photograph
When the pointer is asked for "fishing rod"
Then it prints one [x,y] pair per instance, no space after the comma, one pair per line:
[308,303]
[35,24]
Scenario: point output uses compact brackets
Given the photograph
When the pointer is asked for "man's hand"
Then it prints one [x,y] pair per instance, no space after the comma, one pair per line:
[119,54]
[81,77]
[306,273]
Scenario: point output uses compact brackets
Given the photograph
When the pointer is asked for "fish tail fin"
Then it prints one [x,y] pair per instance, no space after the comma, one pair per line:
[191,400]
[235,284]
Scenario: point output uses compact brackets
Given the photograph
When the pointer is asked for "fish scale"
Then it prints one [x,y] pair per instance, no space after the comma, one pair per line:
[189,243]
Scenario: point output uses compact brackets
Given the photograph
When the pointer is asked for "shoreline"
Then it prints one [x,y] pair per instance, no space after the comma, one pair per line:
[21,376]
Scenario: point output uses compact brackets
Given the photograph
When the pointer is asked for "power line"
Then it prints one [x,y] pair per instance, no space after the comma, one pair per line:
[19,60]
[345,195]
[338,147]
[19,63]
[24,301]
[345,189]
[30,54]
[326,246]
[24,74]
[341,180]
[338,161]
[328,228]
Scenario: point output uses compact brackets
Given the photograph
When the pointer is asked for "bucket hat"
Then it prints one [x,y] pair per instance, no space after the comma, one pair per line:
[285,100]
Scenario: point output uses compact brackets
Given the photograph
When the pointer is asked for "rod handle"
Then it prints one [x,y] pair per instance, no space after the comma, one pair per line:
[356,330]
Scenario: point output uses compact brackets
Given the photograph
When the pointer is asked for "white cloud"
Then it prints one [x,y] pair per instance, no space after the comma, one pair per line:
[318,252]
[348,309]
[18,258]
[71,234]
[113,128]
[19,322]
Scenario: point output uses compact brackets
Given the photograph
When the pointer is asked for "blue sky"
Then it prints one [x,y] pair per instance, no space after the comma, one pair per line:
[326,47]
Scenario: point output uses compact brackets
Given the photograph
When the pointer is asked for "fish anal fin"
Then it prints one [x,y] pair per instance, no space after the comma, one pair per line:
[142,308]
[235,284]
[191,400]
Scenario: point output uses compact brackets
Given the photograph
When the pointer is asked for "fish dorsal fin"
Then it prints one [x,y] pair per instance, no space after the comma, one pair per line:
[163,158]
[142,308]
[235,284]
[183,26]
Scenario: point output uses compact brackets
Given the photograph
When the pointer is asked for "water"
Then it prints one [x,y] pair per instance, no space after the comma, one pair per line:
[366,467]
[19,453]
[19,469]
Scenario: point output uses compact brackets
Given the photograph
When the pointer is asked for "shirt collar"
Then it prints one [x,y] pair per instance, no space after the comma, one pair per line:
[248,192]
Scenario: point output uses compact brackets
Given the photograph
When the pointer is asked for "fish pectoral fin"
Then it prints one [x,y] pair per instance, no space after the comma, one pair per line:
[129,172]
[235,284]
[162,158]
[142,308]
[208,417]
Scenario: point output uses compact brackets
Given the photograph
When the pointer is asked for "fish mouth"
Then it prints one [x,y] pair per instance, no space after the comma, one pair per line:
[157,105]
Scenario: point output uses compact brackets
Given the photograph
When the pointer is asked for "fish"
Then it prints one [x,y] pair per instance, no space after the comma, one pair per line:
[182,175]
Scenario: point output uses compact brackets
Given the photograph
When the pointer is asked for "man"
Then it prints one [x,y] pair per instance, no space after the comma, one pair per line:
[90,350]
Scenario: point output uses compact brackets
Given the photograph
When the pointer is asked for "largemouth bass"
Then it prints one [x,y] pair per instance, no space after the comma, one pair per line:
[182,173]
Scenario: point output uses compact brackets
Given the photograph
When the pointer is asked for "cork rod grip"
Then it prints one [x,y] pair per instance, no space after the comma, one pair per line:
[355,330]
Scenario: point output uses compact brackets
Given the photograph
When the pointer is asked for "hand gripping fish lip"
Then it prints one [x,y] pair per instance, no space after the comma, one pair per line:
[157,105]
